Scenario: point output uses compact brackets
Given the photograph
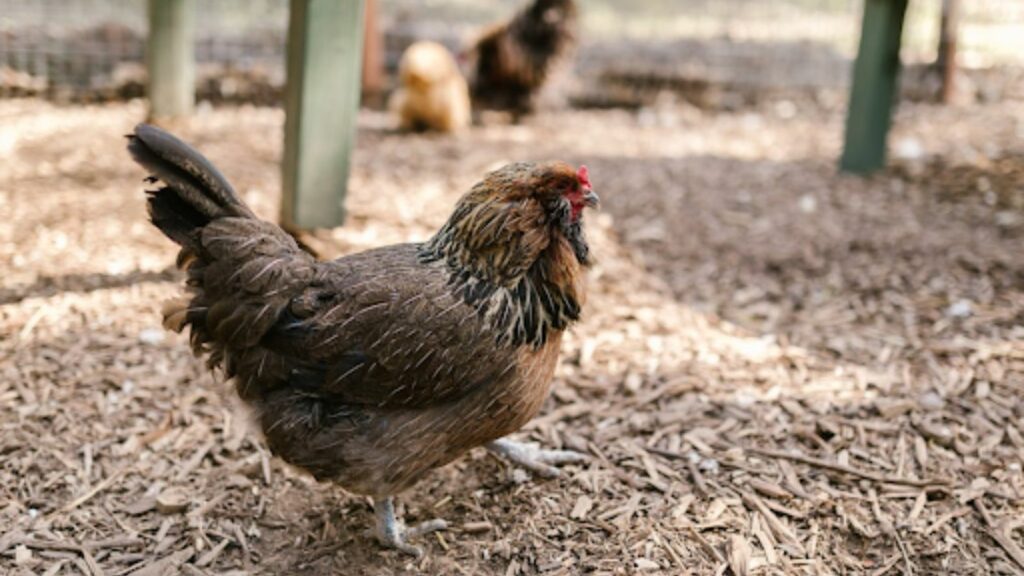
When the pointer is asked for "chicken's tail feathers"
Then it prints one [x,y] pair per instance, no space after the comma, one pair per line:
[194,193]
[242,272]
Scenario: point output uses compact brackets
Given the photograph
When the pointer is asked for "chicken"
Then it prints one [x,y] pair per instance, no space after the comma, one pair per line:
[433,94]
[371,370]
[512,60]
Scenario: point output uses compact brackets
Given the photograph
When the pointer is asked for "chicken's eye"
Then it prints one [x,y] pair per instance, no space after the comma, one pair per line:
[572,192]
[576,204]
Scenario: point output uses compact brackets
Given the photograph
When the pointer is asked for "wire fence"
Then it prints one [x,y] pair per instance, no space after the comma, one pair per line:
[94,49]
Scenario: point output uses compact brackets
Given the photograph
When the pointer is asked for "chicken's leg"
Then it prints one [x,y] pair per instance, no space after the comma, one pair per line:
[533,458]
[391,531]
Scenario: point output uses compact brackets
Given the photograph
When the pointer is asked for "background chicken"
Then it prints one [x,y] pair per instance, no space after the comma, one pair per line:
[373,369]
[433,94]
[512,60]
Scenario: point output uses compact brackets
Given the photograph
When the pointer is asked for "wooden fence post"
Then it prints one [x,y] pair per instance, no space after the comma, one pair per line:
[325,39]
[170,58]
[948,32]
[874,86]
[373,57]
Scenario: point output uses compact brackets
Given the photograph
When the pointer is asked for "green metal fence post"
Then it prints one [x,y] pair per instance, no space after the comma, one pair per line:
[874,86]
[170,57]
[325,39]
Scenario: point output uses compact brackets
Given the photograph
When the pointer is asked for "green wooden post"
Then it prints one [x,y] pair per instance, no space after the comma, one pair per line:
[170,57]
[874,86]
[325,39]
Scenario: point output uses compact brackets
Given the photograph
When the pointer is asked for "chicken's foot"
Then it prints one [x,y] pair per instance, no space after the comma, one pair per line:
[533,458]
[393,533]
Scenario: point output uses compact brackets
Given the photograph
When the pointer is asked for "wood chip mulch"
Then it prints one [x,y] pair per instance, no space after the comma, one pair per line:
[781,370]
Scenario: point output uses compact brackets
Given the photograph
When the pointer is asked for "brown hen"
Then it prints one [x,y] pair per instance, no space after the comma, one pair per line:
[512,60]
[373,369]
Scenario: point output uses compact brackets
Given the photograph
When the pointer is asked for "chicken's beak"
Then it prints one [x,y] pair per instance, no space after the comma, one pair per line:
[591,199]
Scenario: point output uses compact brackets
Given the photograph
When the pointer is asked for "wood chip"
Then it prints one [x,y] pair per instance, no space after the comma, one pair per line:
[165,566]
[778,527]
[22,555]
[212,554]
[477,527]
[172,501]
[645,565]
[89,494]
[1002,532]
[581,508]
[740,553]
[847,469]
[769,489]
[863,333]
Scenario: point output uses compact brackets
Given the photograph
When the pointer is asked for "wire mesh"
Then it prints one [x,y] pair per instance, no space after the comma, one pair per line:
[94,49]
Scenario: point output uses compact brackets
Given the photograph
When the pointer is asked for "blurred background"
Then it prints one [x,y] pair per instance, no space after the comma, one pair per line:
[722,55]
[783,367]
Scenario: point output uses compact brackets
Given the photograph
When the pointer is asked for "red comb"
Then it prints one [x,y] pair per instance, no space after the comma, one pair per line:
[583,176]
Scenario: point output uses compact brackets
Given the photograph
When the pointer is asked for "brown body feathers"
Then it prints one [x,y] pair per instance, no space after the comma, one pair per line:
[375,368]
[512,60]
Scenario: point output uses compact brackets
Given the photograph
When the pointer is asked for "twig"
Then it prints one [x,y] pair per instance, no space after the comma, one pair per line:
[711,550]
[1002,533]
[691,466]
[781,531]
[836,467]
[85,548]
[618,472]
[667,546]
[887,566]
[698,478]
[209,557]
[92,492]
[37,544]
[903,552]
[55,568]
[236,530]
[946,518]
[208,505]
[29,326]
[94,568]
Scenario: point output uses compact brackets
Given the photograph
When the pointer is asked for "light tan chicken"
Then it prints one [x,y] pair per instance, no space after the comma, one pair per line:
[433,94]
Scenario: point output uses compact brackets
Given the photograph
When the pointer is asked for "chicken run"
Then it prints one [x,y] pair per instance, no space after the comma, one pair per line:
[777,369]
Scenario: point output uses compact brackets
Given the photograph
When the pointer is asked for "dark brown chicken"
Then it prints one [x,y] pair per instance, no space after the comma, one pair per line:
[373,369]
[512,60]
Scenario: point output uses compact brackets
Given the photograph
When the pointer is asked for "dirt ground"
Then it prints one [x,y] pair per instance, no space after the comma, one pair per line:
[780,371]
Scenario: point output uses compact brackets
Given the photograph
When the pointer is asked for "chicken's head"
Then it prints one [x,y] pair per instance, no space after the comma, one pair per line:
[514,216]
